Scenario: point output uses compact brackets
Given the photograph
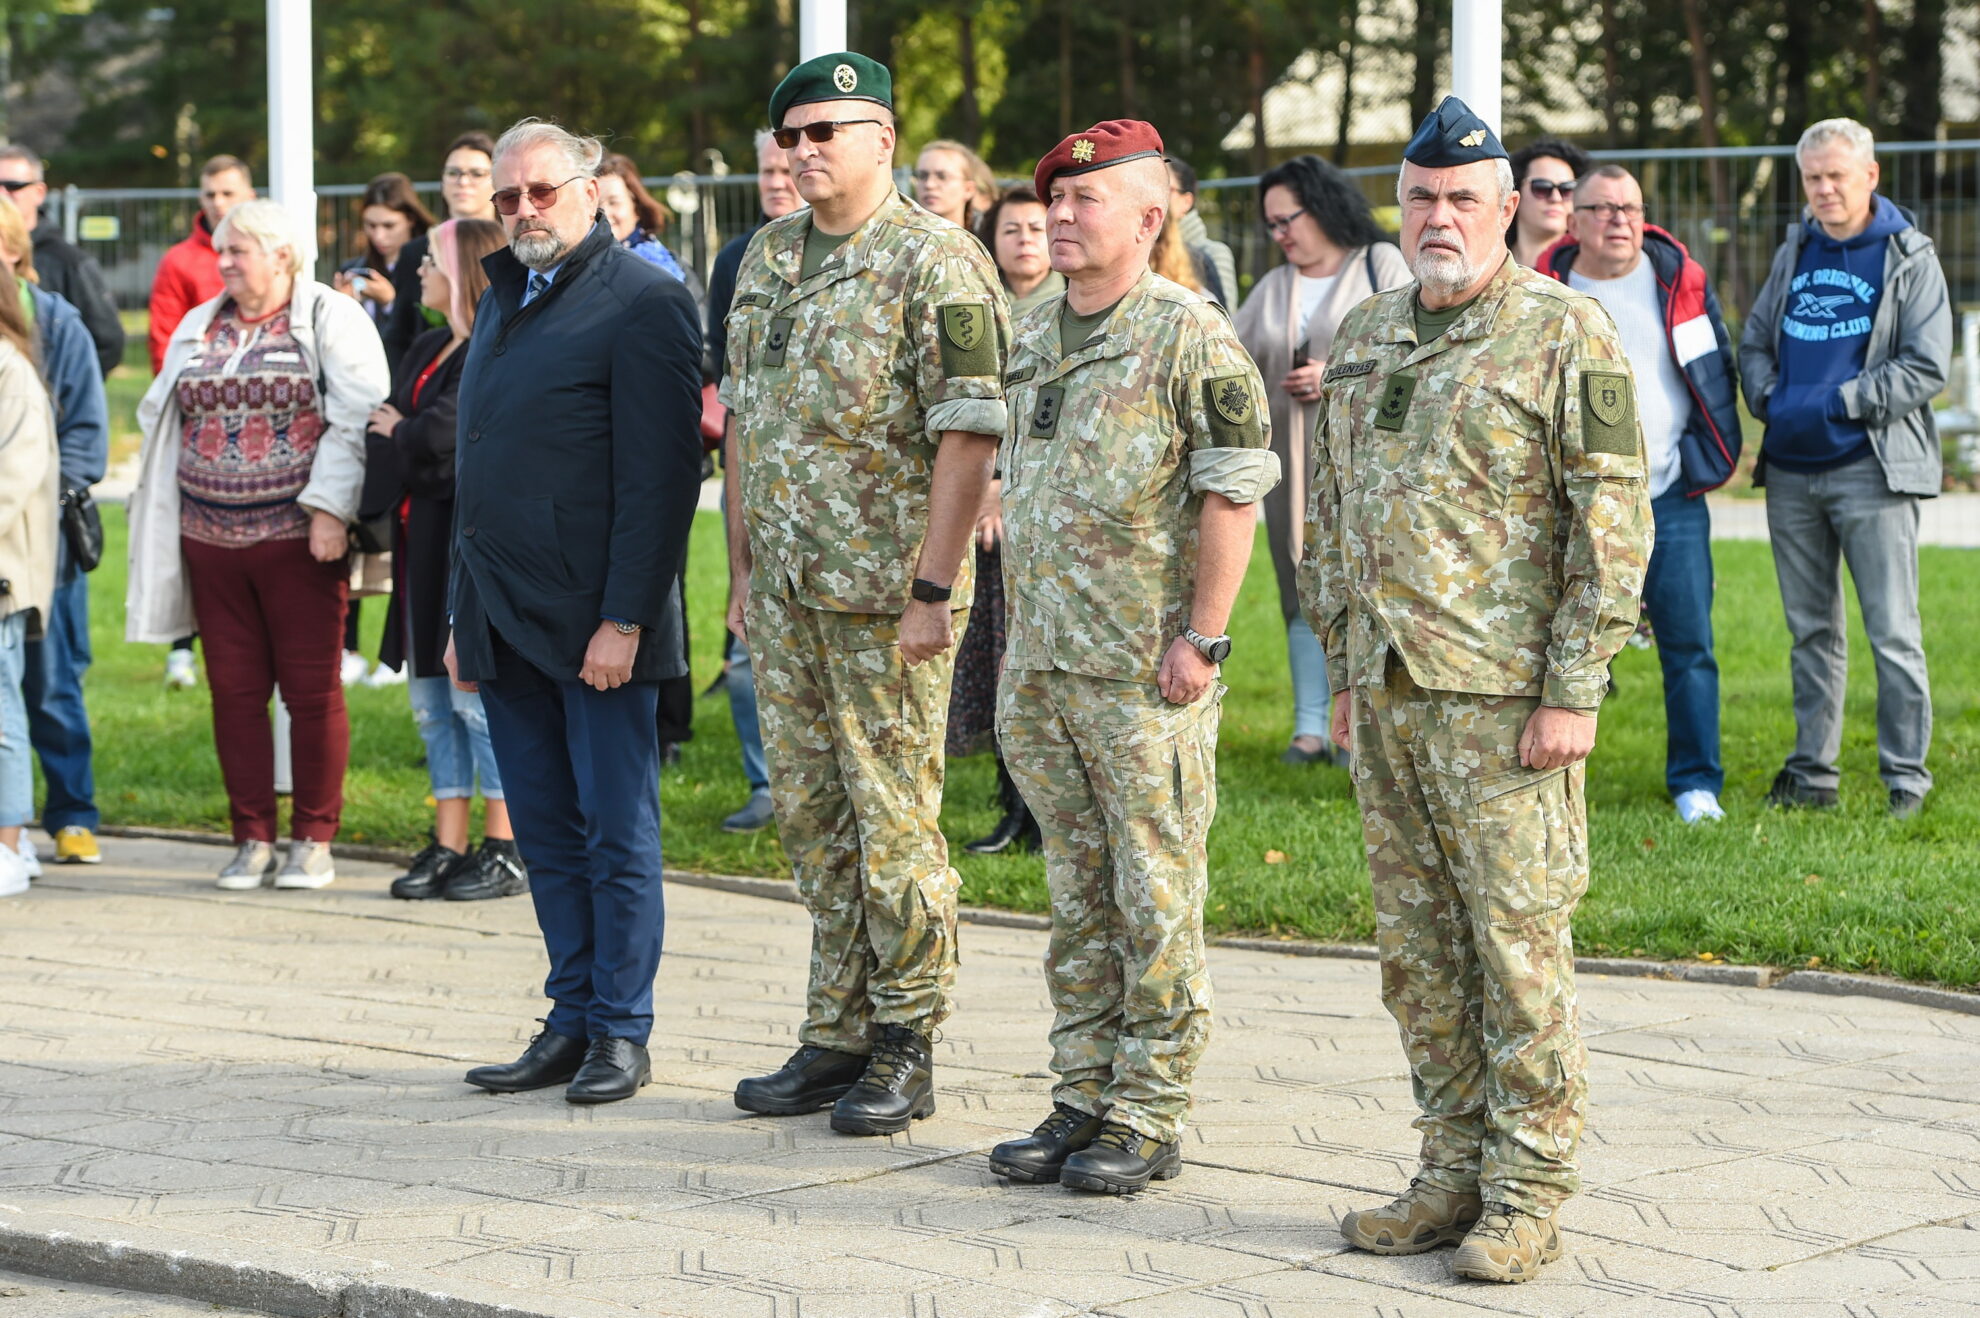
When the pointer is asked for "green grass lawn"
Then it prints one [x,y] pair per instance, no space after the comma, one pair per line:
[1847,890]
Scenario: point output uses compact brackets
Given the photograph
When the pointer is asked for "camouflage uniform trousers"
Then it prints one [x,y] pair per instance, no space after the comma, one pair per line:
[854,741]
[1477,865]
[1124,785]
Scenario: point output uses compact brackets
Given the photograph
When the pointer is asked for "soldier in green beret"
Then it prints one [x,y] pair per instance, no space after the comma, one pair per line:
[865,388]
[1477,536]
[1136,455]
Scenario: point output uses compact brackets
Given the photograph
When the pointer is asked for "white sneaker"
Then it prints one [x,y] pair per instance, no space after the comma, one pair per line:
[308,866]
[1698,805]
[29,860]
[383,676]
[13,874]
[249,869]
[181,672]
[355,667]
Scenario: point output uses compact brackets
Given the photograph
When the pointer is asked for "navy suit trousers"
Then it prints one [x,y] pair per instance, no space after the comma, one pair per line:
[581,771]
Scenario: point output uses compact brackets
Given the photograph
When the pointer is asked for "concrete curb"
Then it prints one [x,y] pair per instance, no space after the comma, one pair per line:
[1754,977]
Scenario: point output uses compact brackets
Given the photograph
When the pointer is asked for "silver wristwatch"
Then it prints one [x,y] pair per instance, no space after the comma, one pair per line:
[1214,648]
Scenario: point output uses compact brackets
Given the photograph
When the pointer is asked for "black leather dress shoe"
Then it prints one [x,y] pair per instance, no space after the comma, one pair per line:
[550,1059]
[428,875]
[613,1069]
[1037,1158]
[897,1088]
[814,1078]
[1121,1161]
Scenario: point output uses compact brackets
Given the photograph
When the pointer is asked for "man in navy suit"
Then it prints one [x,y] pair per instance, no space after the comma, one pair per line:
[578,464]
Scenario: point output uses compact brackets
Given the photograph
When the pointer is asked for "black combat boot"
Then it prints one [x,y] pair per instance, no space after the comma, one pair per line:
[1016,829]
[898,1087]
[814,1078]
[431,868]
[1121,1161]
[1036,1159]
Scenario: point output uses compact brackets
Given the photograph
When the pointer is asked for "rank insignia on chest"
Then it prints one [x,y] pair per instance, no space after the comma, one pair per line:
[1394,407]
[777,340]
[1045,412]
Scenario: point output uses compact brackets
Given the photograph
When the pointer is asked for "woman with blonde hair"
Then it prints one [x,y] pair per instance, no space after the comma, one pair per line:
[29,488]
[248,480]
[1173,260]
[952,181]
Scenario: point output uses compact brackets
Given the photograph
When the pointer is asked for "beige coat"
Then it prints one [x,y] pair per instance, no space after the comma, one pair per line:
[1268,325]
[342,346]
[30,490]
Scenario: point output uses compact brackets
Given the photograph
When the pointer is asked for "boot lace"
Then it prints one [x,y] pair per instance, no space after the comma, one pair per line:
[1113,1135]
[895,1056]
[1062,1123]
[1499,1222]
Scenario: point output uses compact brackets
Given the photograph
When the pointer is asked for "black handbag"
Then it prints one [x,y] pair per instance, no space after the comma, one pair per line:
[82,526]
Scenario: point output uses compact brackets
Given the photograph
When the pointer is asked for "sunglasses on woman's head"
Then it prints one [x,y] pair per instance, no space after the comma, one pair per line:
[818,132]
[541,195]
[1547,189]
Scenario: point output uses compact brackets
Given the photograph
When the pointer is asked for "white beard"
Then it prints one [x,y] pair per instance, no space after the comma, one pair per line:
[1444,273]
[539,249]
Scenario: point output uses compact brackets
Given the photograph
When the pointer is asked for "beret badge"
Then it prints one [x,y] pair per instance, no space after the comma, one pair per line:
[1082,151]
[845,79]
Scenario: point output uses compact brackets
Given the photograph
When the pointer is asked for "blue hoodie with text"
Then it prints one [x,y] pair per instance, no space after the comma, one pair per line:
[1825,332]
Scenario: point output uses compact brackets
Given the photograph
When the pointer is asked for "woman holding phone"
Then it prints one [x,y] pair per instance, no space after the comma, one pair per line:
[1336,256]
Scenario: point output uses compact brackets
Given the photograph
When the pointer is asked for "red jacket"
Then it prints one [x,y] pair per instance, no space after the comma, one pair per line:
[188,275]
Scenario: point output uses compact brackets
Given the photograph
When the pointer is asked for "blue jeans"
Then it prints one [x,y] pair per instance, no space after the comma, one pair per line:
[586,765]
[16,756]
[1677,595]
[58,722]
[454,727]
[1309,680]
[742,712]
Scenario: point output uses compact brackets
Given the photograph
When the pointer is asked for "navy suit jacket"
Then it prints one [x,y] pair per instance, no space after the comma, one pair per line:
[578,463]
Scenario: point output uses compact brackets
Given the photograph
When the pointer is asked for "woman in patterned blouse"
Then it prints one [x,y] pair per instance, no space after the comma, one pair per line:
[254,430]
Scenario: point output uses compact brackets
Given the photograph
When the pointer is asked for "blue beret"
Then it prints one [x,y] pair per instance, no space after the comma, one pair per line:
[844,75]
[1452,135]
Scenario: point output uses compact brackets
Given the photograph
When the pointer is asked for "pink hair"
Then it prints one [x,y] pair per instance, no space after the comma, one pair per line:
[447,255]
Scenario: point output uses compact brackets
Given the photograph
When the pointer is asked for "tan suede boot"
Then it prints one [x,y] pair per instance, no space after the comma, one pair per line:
[1507,1245]
[1422,1219]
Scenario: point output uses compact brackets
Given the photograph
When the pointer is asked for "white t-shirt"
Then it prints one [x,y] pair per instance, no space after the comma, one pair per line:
[1663,399]
[1312,292]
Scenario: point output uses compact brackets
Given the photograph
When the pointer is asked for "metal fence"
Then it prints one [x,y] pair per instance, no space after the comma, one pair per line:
[1729,207]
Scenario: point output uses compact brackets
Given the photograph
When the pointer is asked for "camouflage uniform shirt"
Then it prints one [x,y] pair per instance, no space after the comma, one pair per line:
[841,386]
[1109,454]
[1479,502]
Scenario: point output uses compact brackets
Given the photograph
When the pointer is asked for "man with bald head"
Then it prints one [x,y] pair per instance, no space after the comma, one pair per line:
[1136,455]
[1477,534]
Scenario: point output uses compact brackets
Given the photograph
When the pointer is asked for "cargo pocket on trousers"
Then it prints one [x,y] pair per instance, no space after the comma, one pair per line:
[1522,849]
[875,708]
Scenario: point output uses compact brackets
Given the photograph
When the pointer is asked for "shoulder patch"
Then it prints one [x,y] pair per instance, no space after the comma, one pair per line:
[1608,413]
[1236,421]
[1348,370]
[968,339]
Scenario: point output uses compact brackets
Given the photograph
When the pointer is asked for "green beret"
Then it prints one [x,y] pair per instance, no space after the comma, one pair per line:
[842,76]
[1452,135]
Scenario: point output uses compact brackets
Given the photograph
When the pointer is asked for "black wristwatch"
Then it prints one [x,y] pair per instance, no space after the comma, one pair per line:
[930,593]
[1214,648]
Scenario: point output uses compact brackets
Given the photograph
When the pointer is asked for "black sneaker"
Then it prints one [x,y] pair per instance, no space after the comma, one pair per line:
[430,871]
[1790,793]
[497,871]
[1905,804]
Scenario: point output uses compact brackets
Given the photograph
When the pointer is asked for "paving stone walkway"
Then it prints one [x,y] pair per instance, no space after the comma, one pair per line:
[269,1084]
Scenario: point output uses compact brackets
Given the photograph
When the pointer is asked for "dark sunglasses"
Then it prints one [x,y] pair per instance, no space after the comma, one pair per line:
[1547,190]
[818,132]
[541,195]
[16,184]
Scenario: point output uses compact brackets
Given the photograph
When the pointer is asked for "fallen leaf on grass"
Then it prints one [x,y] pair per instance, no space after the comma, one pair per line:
[1275,858]
[1811,879]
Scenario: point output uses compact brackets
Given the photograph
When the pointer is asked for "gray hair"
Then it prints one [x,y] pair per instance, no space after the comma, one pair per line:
[583,154]
[1610,170]
[267,223]
[1819,135]
[1502,175]
[765,139]
[15,151]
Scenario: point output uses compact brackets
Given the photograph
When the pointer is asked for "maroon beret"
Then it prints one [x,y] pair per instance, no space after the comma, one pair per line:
[1113,142]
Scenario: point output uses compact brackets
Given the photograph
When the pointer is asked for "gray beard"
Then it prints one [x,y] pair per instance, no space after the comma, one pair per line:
[1445,275]
[539,250]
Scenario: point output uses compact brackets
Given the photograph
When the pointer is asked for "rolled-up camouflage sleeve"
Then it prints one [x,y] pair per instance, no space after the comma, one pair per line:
[958,316]
[1599,451]
[1223,406]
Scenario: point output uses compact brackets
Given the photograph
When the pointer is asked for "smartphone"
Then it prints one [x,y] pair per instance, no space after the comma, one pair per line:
[1302,355]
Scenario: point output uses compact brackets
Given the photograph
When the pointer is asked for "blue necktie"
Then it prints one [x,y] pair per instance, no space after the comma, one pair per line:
[537,283]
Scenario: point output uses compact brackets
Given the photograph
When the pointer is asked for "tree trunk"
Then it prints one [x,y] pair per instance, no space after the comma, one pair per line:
[1873,64]
[698,111]
[1256,78]
[1611,76]
[1795,60]
[1924,71]
[1429,42]
[1342,139]
[969,113]
[1065,68]
[1730,277]
[1126,48]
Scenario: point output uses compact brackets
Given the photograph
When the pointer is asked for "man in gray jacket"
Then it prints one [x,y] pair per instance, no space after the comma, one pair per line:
[1847,344]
